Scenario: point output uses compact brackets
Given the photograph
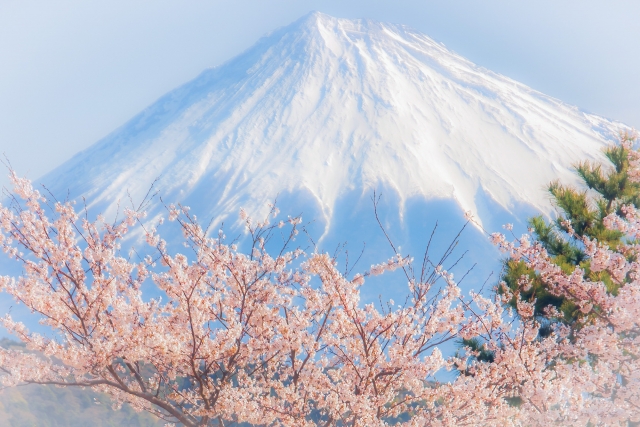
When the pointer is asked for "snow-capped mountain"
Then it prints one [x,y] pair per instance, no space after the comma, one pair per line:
[324,111]
[320,114]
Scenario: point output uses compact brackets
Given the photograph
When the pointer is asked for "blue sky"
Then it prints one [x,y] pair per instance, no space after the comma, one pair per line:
[71,71]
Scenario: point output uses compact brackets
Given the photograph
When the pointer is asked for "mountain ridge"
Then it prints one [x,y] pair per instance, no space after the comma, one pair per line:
[321,128]
[327,106]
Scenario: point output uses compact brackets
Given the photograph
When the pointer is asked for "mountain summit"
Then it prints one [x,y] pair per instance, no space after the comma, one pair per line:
[325,110]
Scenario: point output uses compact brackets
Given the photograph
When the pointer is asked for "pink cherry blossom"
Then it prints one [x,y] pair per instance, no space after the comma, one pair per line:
[286,340]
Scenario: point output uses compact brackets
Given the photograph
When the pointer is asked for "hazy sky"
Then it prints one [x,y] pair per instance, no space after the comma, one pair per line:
[71,71]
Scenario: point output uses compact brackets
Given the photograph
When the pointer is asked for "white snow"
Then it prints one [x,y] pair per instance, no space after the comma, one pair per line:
[323,112]
[333,107]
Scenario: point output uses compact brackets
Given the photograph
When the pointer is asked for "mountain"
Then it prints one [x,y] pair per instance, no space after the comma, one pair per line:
[326,108]
[49,406]
[319,114]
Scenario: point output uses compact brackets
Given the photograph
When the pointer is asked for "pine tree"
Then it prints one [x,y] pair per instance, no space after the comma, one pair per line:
[607,189]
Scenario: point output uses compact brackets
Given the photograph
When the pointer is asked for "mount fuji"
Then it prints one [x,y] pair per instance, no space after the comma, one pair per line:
[321,113]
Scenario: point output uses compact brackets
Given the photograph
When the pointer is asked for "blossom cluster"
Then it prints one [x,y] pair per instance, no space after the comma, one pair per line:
[252,337]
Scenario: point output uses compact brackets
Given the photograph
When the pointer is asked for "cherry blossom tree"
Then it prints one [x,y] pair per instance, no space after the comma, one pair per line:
[283,338]
[606,189]
[598,355]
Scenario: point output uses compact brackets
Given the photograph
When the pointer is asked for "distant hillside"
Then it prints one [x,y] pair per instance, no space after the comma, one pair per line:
[48,406]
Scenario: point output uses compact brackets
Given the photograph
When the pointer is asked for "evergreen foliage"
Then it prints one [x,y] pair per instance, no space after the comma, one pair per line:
[607,189]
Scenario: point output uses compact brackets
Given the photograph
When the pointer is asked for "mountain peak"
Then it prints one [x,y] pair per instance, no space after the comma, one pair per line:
[316,19]
[328,107]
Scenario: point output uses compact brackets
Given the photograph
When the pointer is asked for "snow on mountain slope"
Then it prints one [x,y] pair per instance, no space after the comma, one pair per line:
[332,107]
[321,113]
